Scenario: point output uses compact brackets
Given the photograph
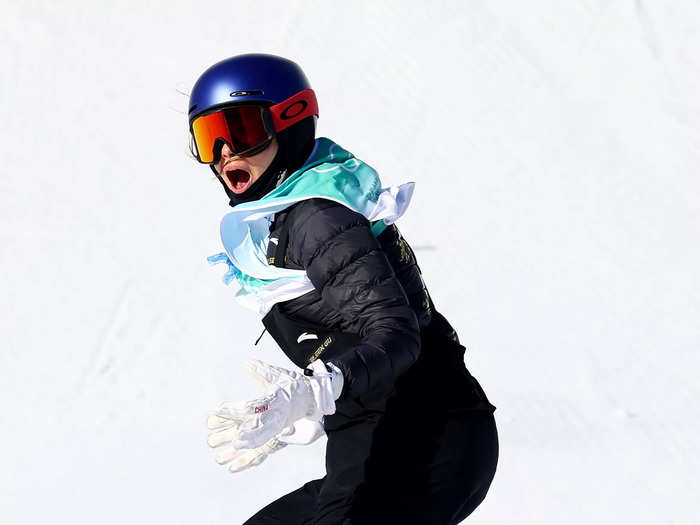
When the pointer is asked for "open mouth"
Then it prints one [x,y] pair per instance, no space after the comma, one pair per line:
[238,180]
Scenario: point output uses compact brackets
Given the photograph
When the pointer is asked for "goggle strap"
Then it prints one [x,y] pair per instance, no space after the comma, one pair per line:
[294,109]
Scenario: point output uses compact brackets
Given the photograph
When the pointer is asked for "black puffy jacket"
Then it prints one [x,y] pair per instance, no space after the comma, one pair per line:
[364,285]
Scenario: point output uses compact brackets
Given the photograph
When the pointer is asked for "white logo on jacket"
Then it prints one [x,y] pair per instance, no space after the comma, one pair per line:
[305,336]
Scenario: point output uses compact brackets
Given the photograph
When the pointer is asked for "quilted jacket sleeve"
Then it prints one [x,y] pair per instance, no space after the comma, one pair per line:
[348,267]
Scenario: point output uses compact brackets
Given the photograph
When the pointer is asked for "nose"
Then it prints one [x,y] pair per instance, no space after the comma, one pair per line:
[226,152]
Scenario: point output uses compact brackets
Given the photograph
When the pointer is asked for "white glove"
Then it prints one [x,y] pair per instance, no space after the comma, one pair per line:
[290,396]
[303,432]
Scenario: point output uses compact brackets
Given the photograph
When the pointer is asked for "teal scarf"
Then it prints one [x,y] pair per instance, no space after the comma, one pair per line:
[331,173]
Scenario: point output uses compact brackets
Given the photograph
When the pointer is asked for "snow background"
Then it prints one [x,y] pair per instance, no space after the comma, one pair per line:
[555,146]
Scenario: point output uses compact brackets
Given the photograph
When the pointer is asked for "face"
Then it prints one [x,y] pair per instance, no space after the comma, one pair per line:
[239,173]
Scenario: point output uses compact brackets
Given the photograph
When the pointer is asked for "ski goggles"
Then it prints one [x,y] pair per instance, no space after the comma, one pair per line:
[247,129]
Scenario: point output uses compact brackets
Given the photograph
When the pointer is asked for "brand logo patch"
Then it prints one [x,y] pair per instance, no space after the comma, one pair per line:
[306,336]
[295,109]
[261,408]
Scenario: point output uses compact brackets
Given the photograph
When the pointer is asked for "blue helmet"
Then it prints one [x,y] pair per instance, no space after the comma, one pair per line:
[289,112]
[250,78]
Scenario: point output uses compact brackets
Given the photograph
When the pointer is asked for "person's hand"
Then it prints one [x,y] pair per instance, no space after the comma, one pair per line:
[290,396]
[303,432]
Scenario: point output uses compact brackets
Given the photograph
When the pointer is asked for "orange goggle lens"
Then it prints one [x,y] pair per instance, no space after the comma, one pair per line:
[242,128]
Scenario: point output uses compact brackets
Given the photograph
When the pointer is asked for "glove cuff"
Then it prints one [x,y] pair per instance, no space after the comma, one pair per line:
[326,382]
[337,379]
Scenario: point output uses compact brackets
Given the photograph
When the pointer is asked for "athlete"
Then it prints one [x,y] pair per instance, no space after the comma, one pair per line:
[312,244]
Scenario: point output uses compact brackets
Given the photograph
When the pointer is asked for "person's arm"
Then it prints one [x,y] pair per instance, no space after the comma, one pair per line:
[346,264]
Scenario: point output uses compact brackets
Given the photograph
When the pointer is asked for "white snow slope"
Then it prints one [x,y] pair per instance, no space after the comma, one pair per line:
[555,146]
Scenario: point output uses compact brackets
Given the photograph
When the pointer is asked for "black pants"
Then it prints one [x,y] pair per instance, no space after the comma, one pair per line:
[426,454]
